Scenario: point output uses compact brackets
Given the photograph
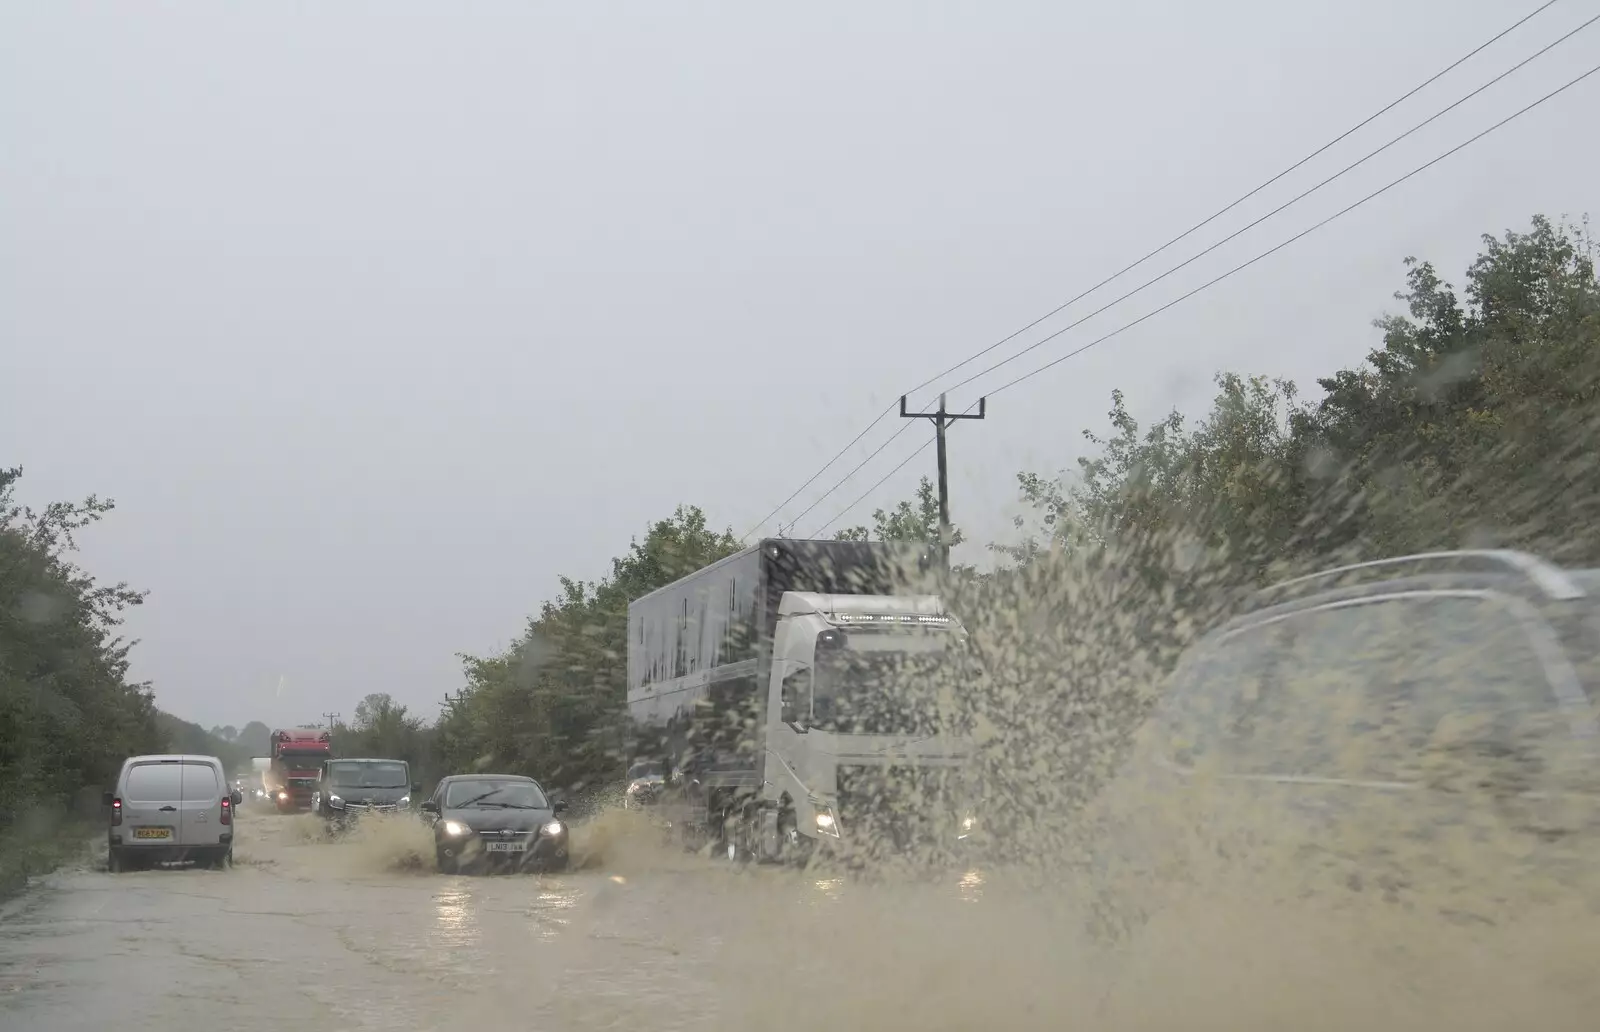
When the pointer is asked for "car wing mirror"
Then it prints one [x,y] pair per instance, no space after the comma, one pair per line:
[429,807]
[416,787]
[560,806]
[236,797]
[107,798]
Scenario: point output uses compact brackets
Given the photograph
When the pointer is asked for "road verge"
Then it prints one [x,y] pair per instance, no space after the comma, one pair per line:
[39,842]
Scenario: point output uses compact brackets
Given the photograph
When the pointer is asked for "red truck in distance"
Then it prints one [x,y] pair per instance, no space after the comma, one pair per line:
[297,757]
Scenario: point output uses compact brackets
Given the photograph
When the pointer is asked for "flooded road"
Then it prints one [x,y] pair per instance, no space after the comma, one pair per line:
[363,934]
[314,936]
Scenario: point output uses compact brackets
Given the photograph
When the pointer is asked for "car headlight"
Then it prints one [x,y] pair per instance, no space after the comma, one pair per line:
[334,800]
[456,828]
[553,828]
[826,823]
[968,823]
[405,800]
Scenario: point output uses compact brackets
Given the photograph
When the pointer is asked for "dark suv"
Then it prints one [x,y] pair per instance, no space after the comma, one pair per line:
[1422,729]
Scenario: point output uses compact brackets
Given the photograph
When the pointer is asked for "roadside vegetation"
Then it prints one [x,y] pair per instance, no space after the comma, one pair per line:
[68,712]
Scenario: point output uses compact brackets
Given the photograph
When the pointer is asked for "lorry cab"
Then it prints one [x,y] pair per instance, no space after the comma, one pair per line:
[863,692]
[171,807]
[296,760]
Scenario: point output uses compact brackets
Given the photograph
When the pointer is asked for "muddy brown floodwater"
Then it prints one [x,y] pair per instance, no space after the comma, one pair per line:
[310,935]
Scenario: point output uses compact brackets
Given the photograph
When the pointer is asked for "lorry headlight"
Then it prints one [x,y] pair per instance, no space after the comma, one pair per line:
[968,823]
[553,828]
[456,828]
[826,824]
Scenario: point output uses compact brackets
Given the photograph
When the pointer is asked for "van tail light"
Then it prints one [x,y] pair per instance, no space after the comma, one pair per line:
[116,812]
[227,810]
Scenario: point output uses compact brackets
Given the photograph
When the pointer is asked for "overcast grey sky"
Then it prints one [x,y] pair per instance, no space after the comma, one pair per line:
[376,317]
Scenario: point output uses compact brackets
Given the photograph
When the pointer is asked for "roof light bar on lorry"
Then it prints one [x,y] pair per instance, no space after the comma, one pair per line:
[898,619]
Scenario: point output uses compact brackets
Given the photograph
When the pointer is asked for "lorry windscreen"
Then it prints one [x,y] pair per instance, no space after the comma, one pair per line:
[303,761]
[883,691]
[369,775]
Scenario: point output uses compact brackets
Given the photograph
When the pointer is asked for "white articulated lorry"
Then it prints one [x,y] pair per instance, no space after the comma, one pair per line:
[801,694]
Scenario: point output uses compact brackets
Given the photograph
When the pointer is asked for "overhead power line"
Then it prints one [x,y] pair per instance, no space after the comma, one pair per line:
[1435,77]
[881,480]
[865,494]
[824,468]
[1286,204]
[1126,269]
[1300,235]
[1218,279]
[846,478]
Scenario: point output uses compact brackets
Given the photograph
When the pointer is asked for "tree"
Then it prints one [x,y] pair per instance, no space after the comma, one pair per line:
[1472,424]
[1476,423]
[255,739]
[383,728]
[68,713]
[554,703]
[914,519]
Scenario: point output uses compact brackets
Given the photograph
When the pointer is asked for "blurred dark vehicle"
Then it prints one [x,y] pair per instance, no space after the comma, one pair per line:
[496,822]
[1421,730]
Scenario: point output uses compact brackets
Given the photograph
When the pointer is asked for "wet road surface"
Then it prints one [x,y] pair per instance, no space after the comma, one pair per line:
[310,935]
[307,934]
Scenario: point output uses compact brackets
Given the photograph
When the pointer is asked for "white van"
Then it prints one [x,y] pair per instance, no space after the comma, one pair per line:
[171,807]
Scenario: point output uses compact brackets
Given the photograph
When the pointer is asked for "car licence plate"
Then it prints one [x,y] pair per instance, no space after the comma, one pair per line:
[506,847]
[149,833]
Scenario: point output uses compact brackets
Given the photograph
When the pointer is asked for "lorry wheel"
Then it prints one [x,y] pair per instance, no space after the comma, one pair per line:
[738,837]
[792,846]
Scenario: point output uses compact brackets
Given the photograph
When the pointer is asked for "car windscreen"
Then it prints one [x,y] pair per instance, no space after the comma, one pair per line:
[524,795]
[646,770]
[1380,690]
[154,782]
[368,775]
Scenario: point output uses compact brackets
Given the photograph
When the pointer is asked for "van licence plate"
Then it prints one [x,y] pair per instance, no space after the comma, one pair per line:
[506,847]
[149,833]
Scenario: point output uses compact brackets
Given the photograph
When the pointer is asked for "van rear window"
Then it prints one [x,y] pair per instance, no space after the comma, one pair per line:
[200,781]
[155,782]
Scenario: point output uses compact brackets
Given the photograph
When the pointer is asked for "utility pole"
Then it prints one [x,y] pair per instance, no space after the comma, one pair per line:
[332,718]
[941,421]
